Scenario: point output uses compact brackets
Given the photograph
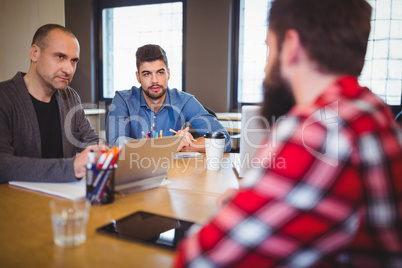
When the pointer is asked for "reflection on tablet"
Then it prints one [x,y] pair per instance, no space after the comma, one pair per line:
[149,228]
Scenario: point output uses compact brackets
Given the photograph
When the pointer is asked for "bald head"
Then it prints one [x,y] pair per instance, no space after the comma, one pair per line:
[41,36]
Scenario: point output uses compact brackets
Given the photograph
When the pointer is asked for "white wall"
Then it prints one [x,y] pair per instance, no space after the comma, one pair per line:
[19,19]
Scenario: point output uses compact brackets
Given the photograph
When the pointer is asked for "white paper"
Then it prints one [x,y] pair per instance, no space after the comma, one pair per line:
[187,155]
[165,182]
[70,190]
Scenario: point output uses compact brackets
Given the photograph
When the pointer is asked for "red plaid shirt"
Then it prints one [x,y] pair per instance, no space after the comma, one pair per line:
[328,192]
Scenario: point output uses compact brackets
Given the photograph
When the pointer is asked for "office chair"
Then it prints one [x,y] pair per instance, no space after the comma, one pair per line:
[398,118]
[209,110]
[192,130]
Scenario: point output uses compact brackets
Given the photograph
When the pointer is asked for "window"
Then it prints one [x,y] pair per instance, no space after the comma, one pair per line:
[252,35]
[382,72]
[125,28]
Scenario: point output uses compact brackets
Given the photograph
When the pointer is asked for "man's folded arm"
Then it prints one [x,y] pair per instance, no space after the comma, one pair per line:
[204,122]
[17,168]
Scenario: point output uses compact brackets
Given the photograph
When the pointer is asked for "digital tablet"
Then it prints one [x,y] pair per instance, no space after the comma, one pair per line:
[148,228]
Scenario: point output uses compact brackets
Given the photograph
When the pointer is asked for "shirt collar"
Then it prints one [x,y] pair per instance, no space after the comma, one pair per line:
[346,86]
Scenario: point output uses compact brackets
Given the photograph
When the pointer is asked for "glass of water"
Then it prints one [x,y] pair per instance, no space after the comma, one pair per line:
[69,221]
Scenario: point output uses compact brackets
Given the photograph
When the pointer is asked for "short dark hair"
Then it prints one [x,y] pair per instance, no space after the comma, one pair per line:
[40,36]
[149,53]
[333,32]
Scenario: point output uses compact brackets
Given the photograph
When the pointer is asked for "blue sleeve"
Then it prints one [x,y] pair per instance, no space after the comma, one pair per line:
[117,122]
[204,122]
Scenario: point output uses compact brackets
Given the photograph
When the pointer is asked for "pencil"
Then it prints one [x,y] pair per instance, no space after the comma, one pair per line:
[174,131]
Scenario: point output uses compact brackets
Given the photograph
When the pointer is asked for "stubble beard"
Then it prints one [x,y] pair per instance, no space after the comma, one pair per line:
[52,82]
[60,86]
[155,95]
[54,86]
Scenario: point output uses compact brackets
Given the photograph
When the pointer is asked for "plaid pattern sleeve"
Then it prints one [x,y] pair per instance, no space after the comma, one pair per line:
[328,192]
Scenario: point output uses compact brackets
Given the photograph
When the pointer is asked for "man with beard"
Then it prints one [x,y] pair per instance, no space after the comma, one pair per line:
[42,123]
[154,106]
[278,97]
[338,200]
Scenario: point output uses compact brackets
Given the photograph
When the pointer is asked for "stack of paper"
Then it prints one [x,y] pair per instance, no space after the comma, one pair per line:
[187,155]
[69,190]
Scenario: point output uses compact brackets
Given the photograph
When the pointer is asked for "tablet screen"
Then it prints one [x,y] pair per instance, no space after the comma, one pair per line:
[149,228]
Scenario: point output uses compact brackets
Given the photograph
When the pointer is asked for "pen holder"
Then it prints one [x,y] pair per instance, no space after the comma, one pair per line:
[100,185]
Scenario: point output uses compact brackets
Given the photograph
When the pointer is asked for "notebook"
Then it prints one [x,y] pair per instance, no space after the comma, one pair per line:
[70,190]
[143,164]
[254,129]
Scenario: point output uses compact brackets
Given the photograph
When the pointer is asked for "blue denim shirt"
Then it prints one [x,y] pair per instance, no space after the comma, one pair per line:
[129,116]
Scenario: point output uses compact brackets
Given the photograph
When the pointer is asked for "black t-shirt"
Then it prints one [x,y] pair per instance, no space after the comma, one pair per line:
[50,128]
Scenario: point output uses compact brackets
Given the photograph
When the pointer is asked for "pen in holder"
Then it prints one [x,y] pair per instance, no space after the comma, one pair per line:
[100,185]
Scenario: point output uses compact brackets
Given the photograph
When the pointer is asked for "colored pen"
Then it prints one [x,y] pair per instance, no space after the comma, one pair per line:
[116,156]
[102,185]
[174,131]
[91,159]
[90,166]
[101,159]
[105,165]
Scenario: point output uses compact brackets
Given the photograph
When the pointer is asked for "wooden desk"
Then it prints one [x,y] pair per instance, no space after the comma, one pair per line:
[229,116]
[26,233]
[196,178]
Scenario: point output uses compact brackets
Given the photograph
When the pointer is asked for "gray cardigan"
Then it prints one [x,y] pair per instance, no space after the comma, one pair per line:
[20,142]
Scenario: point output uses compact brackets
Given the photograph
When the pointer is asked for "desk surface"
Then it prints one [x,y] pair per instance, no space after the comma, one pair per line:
[26,233]
[229,116]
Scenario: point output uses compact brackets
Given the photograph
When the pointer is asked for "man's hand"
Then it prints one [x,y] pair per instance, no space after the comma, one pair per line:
[82,159]
[225,198]
[188,144]
[186,141]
